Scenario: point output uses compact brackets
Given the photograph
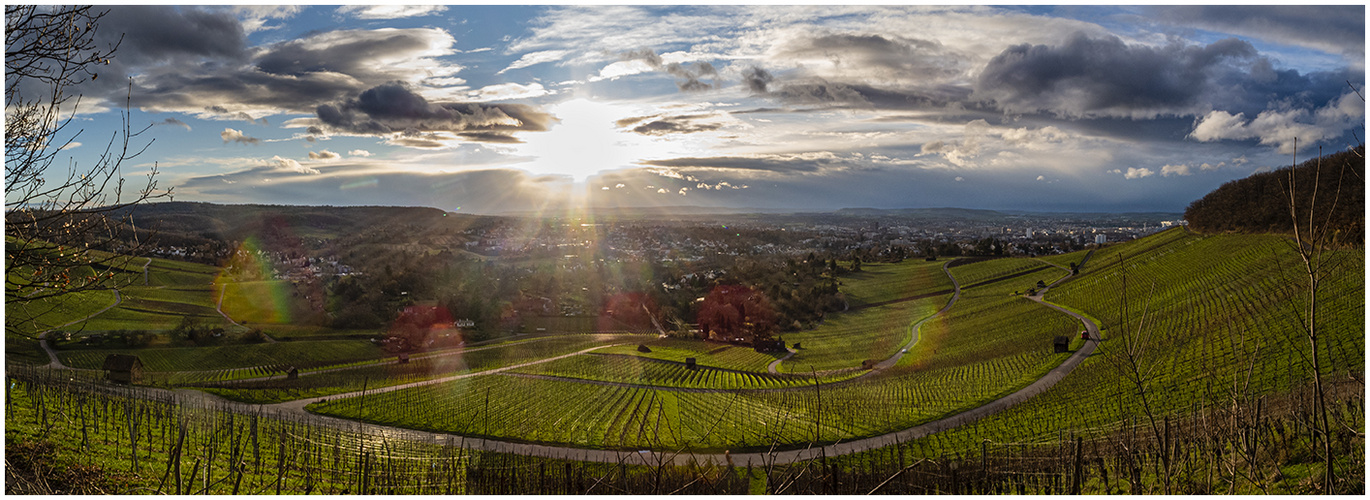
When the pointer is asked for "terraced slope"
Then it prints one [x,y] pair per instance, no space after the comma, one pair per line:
[1220,328]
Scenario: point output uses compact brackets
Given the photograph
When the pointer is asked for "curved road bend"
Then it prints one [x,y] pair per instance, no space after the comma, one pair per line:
[223,290]
[295,409]
[43,337]
[955,294]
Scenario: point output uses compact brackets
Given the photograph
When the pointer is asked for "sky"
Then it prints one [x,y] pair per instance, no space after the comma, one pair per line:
[499,109]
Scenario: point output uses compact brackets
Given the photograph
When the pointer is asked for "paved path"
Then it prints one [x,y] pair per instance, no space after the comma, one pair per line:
[893,360]
[43,337]
[223,290]
[776,364]
[433,354]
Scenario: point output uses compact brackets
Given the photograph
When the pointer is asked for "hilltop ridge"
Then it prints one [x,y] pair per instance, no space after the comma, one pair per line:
[1260,203]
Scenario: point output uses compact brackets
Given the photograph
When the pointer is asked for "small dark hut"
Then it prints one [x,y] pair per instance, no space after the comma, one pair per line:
[123,368]
[402,358]
[1061,344]
[643,348]
[292,373]
[690,364]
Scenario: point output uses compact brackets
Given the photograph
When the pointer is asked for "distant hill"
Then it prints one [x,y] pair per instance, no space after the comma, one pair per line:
[1260,203]
[192,224]
[938,213]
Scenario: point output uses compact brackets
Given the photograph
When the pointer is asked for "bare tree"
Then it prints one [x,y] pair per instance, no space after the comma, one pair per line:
[61,229]
[1313,237]
[1136,356]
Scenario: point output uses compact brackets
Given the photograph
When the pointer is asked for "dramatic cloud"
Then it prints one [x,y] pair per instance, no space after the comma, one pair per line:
[160,33]
[1105,77]
[215,77]
[393,108]
[359,152]
[232,135]
[324,155]
[1331,28]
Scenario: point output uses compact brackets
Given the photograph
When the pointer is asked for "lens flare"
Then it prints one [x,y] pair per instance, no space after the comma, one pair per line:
[248,289]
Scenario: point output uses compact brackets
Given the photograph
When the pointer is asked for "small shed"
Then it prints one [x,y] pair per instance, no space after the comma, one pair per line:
[123,368]
[292,373]
[402,358]
[1061,344]
[643,348]
[690,364]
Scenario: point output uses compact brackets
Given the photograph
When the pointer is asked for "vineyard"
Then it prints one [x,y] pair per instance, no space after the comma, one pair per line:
[1205,320]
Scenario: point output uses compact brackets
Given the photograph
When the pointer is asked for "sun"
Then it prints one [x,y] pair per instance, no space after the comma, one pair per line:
[585,143]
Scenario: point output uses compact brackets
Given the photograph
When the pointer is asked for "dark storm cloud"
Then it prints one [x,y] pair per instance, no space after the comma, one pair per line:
[666,125]
[157,35]
[1334,28]
[392,107]
[197,60]
[757,79]
[162,33]
[494,137]
[1091,77]
[350,52]
[839,94]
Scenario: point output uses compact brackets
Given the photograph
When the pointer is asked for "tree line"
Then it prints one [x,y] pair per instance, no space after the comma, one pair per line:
[1334,185]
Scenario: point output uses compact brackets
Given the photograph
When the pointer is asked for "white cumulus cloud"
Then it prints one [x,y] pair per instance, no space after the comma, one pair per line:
[291,165]
[1138,173]
[1170,170]
[233,135]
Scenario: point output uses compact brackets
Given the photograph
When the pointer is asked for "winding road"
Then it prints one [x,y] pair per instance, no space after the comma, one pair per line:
[296,411]
[893,360]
